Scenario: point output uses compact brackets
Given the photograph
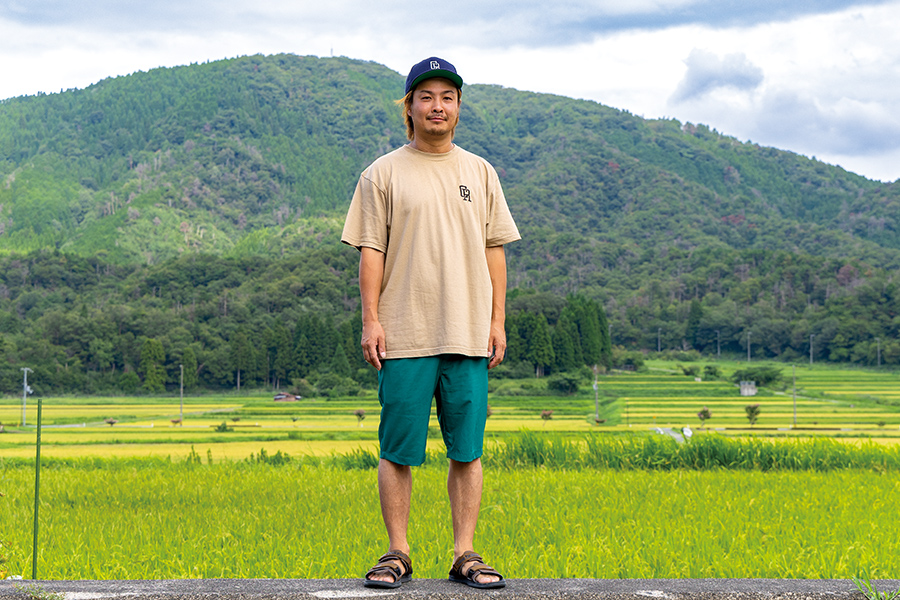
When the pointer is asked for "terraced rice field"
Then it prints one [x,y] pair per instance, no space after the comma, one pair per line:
[827,401]
[842,403]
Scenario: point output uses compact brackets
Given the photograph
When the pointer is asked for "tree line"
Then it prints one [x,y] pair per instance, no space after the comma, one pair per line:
[214,323]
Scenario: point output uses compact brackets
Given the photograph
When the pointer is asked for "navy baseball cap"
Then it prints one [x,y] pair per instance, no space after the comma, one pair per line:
[430,68]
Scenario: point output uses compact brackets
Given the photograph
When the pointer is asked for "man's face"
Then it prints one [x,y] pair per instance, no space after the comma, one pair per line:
[435,107]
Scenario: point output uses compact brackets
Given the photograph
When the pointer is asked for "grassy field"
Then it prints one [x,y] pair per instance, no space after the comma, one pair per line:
[183,520]
[564,497]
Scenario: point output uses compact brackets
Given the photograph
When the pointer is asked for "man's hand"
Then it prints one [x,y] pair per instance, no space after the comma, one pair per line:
[373,343]
[496,263]
[496,345]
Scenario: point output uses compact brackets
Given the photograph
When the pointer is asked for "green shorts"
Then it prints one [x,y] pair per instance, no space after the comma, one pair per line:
[405,389]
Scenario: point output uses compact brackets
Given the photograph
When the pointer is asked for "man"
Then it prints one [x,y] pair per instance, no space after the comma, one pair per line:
[430,222]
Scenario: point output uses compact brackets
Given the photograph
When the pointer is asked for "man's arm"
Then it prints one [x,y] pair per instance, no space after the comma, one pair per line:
[496,263]
[371,276]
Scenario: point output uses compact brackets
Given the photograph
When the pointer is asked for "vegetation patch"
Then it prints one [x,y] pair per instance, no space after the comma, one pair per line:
[165,520]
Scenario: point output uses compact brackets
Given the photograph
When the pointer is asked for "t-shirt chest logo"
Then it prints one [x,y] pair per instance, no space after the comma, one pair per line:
[465,194]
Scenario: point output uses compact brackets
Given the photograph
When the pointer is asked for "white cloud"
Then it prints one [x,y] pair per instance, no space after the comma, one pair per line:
[707,72]
[831,89]
[819,77]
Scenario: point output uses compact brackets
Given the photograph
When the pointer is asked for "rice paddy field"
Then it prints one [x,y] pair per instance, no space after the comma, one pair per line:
[841,403]
[241,486]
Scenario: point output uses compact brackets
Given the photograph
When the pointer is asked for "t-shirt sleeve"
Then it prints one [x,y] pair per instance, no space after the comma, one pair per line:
[500,229]
[367,219]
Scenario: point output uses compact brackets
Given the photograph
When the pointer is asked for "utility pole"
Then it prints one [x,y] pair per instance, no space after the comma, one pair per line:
[718,346]
[25,391]
[748,345]
[596,396]
[878,340]
[658,343]
[811,336]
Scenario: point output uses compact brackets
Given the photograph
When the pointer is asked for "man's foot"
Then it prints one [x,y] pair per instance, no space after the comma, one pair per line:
[469,568]
[392,569]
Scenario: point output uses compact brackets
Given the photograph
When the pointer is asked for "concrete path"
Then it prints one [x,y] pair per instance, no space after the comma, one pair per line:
[435,589]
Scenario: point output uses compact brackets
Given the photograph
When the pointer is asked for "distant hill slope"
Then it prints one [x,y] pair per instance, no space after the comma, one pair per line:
[200,208]
[260,155]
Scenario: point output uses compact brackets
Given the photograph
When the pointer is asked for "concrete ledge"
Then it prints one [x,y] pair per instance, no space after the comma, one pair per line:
[439,589]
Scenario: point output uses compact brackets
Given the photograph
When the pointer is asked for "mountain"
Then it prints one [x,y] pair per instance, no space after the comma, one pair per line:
[219,157]
[245,168]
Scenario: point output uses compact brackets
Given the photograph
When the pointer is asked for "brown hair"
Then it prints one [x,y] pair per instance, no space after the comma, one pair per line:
[405,104]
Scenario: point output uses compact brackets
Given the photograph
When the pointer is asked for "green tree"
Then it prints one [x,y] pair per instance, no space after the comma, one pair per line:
[565,339]
[752,411]
[692,329]
[565,383]
[593,330]
[241,355]
[284,356]
[540,344]
[339,363]
[189,363]
[515,343]
[152,358]
[302,363]
[100,353]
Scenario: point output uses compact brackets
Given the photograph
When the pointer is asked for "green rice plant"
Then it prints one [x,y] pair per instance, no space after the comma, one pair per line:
[357,459]
[277,459]
[242,519]
[193,457]
[533,450]
[702,452]
[4,557]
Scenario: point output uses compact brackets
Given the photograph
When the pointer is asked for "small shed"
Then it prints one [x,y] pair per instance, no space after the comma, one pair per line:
[748,388]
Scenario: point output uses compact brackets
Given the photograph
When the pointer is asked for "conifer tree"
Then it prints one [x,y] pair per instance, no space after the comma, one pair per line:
[152,358]
[540,345]
[692,329]
[284,356]
[515,344]
[565,337]
[189,363]
[339,363]
[241,355]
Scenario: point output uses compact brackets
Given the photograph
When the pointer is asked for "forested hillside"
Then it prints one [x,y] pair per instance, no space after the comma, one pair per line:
[150,205]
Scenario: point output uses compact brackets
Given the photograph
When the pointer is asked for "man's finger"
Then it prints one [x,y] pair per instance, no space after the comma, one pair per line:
[370,354]
[498,352]
[380,352]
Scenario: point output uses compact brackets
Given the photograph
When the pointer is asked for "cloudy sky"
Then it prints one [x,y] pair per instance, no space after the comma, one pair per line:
[819,77]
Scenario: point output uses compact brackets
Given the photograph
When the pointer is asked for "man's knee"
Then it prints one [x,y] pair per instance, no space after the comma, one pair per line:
[387,464]
[465,465]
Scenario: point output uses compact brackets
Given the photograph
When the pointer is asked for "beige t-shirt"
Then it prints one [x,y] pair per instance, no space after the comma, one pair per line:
[432,215]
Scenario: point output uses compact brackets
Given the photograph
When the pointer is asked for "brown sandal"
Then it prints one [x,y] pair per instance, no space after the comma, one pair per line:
[470,576]
[386,566]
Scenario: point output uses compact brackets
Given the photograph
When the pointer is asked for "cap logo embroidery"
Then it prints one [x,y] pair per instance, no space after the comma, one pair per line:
[435,65]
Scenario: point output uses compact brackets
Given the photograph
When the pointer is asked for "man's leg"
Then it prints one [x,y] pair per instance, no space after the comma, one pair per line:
[464,485]
[405,389]
[394,490]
